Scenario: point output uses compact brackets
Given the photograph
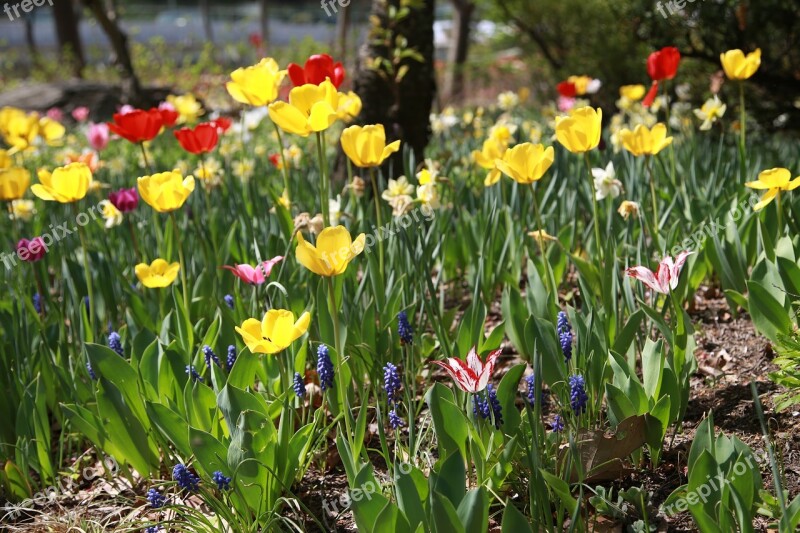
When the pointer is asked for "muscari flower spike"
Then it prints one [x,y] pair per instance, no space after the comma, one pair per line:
[223,482]
[115,343]
[153,529]
[391,383]
[90,370]
[558,424]
[186,480]
[565,335]
[494,403]
[531,382]
[298,385]
[37,302]
[404,329]
[156,499]
[577,394]
[480,406]
[394,420]
[324,368]
[193,373]
[231,356]
[228,300]
[211,356]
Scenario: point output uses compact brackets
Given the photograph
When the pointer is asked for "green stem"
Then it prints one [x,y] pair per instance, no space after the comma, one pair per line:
[376,197]
[283,162]
[598,242]
[542,246]
[742,132]
[780,214]
[649,166]
[178,243]
[341,391]
[144,155]
[323,185]
[87,271]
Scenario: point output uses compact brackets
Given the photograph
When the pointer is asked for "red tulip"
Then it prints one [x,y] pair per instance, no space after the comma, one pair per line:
[472,375]
[137,125]
[661,65]
[168,114]
[317,68]
[566,89]
[200,140]
[223,124]
[666,276]
[126,200]
[31,250]
[275,159]
[254,275]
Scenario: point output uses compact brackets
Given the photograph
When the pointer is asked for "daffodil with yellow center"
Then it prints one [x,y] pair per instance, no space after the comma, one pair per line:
[491,151]
[526,163]
[773,181]
[256,85]
[65,184]
[275,332]
[366,145]
[158,274]
[14,182]
[311,108]
[396,188]
[580,131]
[645,141]
[333,251]
[166,191]
[710,111]
[738,66]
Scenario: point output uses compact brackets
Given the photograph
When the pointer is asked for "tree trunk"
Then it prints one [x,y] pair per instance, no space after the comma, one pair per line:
[30,41]
[205,14]
[457,56]
[131,88]
[403,109]
[264,24]
[342,27]
[69,37]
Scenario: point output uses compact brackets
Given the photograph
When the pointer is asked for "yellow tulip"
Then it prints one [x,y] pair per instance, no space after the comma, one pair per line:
[333,252]
[737,66]
[5,159]
[158,274]
[65,185]
[773,181]
[19,129]
[634,93]
[487,157]
[581,84]
[166,191]
[51,130]
[580,131]
[187,106]
[256,85]
[349,106]
[366,145]
[644,141]
[311,108]
[14,182]
[276,332]
[526,163]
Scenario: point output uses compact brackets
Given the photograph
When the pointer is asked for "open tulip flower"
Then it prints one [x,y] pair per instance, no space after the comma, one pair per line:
[31,250]
[254,275]
[773,181]
[333,251]
[65,184]
[200,140]
[366,145]
[158,274]
[580,131]
[317,68]
[526,163]
[165,191]
[487,157]
[661,65]
[14,181]
[665,278]
[125,200]
[644,141]
[138,125]
[473,374]
[256,85]
[738,66]
[275,332]
[311,108]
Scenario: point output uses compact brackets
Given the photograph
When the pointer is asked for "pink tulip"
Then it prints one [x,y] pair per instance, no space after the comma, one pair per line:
[472,375]
[80,114]
[666,278]
[565,103]
[31,250]
[125,200]
[98,135]
[254,275]
[56,114]
[125,109]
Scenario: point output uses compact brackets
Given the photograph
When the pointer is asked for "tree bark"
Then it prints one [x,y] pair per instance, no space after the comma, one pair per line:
[404,110]
[342,27]
[205,14]
[69,37]
[457,56]
[264,23]
[131,88]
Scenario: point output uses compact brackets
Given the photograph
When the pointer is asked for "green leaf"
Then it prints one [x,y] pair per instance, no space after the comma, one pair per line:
[449,422]
[768,315]
[561,490]
[473,511]
[450,479]
[514,521]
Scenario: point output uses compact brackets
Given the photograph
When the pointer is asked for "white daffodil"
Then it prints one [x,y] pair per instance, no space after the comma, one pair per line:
[710,111]
[605,182]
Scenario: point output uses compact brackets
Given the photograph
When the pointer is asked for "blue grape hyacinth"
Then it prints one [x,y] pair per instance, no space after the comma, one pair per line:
[324,368]
[404,329]
[115,343]
[391,383]
[494,403]
[156,499]
[299,385]
[210,357]
[564,335]
[184,478]
[223,482]
[228,299]
[577,394]
[193,373]
[231,356]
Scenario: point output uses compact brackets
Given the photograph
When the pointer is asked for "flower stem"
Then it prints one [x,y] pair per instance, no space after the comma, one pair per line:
[376,197]
[595,211]
[542,246]
[87,272]
[144,155]
[184,285]
[341,390]
[742,132]
[649,166]
[323,185]
[283,162]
